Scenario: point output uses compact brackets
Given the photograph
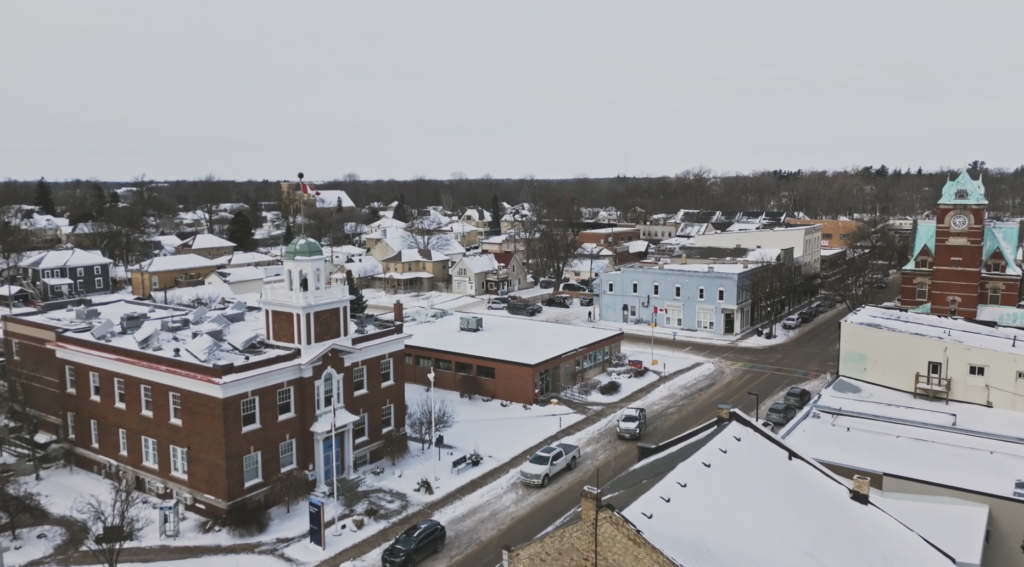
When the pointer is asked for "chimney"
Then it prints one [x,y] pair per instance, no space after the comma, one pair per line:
[591,501]
[746,264]
[724,414]
[682,259]
[399,313]
[861,489]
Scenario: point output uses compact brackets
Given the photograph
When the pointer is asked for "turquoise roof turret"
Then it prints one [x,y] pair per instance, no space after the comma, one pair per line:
[963,191]
[303,247]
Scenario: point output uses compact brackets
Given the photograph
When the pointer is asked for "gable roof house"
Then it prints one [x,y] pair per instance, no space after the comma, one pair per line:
[207,246]
[414,270]
[363,269]
[488,274]
[737,496]
[45,231]
[163,272]
[248,279]
[63,274]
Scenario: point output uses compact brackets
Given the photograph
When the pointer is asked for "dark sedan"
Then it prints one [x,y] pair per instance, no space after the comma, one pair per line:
[414,544]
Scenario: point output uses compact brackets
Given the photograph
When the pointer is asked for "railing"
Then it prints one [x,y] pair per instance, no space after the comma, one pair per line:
[278,292]
[497,275]
[931,386]
[192,282]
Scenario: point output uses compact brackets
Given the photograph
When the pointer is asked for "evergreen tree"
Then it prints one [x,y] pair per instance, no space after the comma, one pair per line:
[44,198]
[98,198]
[288,236]
[920,171]
[495,215]
[401,214]
[115,199]
[240,232]
[358,304]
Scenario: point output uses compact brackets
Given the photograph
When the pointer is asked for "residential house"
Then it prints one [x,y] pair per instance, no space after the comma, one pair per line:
[241,280]
[703,501]
[514,241]
[656,232]
[165,272]
[63,274]
[609,237]
[244,259]
[463,233]
[488,274]
[210,407]
[958,452]
[45,231]
[207,246]
[515,217]
[585,268]
[713,298]
[478,217]
[509,358]
[408,271]
[363,268]
[960,260]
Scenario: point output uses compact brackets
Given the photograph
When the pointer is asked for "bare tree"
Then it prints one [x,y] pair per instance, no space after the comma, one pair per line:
[124,229]
[771,287]
[424,233]
[290,488]
[112,520]
[418,422]
[19,504]
[14,242]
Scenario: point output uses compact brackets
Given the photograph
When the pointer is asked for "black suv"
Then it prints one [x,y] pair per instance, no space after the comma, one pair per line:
[586,300]
[797,397]
[558,301]
[780,413]
[527,309]
[414,544]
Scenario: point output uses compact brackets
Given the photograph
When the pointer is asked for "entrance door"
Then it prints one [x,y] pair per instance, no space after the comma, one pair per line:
[729,322]
[544,382]
[934,369]
[337,452]
[625,314]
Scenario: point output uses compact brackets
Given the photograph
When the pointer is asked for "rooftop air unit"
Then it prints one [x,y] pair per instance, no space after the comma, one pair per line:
[86,313]
[471,323]
[131,322]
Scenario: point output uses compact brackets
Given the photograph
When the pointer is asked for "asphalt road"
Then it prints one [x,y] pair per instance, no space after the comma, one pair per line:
[764,371]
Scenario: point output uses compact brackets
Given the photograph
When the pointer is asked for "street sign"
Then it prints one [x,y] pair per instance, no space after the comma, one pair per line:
[316,523]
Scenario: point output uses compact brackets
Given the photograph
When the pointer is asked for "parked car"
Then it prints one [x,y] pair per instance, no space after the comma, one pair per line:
[819,307]
[880,283]
[806,316]
[498,302]
[632,423]
[414,544]
[558,301]
[791,322]
[525,309]
[587,300]
[548,462]
[780,413]
[797,397]
[573,286]
[546,283]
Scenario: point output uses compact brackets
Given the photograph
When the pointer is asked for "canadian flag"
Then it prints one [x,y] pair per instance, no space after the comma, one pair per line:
[660,310]
[308,189]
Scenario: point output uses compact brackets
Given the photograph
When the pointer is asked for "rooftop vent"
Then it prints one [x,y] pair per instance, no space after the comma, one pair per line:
[711,268]
[86,313]
[148,336]
[174,325]
[471,323]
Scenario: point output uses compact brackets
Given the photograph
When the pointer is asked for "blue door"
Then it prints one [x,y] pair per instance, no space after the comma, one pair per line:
[334,453]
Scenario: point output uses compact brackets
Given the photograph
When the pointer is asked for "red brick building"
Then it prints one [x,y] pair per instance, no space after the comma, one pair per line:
[211,406]
[609,237]
[509,358]
[962,260]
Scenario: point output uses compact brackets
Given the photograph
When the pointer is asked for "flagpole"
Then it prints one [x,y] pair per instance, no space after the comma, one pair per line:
[302,204]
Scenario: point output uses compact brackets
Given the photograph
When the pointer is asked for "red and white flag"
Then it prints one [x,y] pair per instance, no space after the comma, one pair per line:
[308,189]
[660,310]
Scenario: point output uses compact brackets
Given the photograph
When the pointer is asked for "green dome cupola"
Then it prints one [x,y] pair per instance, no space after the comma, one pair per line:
[303,247]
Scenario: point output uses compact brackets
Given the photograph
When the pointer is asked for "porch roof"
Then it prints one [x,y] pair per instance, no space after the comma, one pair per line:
[342,418]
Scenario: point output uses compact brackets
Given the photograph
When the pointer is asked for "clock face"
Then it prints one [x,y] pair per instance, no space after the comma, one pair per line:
[958,222]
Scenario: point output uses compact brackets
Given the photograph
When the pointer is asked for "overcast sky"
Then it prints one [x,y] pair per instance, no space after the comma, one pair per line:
[555,89]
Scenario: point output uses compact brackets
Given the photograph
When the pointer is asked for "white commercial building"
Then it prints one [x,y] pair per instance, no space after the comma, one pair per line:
[804,240]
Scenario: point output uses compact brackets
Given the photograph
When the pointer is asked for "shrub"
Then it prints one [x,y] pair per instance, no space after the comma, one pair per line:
[247,520]
[587,386]
[610,387]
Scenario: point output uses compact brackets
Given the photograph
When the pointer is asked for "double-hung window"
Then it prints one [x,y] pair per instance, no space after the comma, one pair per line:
[174,399]
[250,413]
[69,378]
[359,429]
[179,461]
[94,429]
[387,417]
[147,400]
[71,425]
[359,379]
[119,392]
[94,386]
[122,442]
[387,376]
[251,470]
[149,452]
[285,405]
[287,453]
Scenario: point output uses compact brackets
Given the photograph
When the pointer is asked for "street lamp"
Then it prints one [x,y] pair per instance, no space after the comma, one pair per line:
[430,376]
[757,405]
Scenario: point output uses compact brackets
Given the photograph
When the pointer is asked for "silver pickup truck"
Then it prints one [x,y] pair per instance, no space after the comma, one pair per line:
[548,462]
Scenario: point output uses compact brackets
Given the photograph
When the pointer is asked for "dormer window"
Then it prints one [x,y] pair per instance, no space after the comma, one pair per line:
[996,266]
[924,263]
[961,195]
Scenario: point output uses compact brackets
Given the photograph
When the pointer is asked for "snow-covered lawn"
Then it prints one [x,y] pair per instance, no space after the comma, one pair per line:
[29,546]
[496,432]
[218,561]
[377,299]
[666,365]
[474,518]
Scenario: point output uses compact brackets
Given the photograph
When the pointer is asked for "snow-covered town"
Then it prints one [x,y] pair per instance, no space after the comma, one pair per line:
[739,339]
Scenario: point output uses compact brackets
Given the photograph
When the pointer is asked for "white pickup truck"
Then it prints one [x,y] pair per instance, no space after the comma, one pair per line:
[548,462]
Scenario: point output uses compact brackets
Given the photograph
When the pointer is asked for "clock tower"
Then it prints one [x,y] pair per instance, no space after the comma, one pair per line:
[304,311]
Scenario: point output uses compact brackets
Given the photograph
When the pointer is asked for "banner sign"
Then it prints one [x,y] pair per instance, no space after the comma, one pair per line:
[316,523]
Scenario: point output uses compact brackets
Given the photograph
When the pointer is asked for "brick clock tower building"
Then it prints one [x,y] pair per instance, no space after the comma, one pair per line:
[960,260]
[209,406]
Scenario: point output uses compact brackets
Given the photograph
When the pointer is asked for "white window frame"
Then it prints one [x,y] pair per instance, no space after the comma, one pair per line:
[16,350]
[46,274]
[700,293]
[366,429]
[80,285]
[81,272]
[976,370]
[679,291]
[179,462]
[94,433]
[246,461]
[119,393]
[94,386]
[359,380]
[96,271]
[655,289]
[1020,374]
[122,442]
[286,448]
[387,415]
[611,287]
[458,286]
[673,309]
[154,282]
[922,290]
[71,425]
[69,378]
[146,397]
[706,323]
[171,397]
[290,391]
[390,372]
[721,295]
[150,455]
[99,283]
[253,401]
[635,287]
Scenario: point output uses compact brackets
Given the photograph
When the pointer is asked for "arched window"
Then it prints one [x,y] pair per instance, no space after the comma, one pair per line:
[328,391]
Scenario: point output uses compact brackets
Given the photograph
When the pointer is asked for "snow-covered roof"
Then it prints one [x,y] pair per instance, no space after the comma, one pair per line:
[330,197]
[473,214]
[586,265]
[174,263]
[387,222]
[638,246]
[959,445]
[787,509]
[508,339]
[404,275]
[235,275]
[57,281]
[458,227]
[243,259]
[416,255]
[716,268]
[72,258]
[611,230]
[478,263]
[11,290]
[937,327]
[362,267]
[45,221]
[1001,314]
[201,241]
[957,526]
